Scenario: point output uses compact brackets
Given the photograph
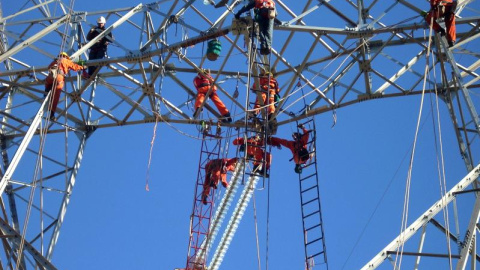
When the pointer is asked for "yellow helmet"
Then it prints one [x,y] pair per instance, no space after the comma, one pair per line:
[265,73]
[64,54]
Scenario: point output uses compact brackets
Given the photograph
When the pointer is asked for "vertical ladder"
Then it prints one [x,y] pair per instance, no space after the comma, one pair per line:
[201,216]
[257,125]
[314,236]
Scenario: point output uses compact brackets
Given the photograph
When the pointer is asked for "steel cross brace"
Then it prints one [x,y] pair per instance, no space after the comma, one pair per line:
[423,219]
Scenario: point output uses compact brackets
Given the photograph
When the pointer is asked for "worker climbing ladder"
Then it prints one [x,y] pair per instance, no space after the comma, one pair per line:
[257,119]
[314,237]
[200,218]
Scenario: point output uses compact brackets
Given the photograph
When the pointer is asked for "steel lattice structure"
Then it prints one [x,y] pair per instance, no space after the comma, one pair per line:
[360,54]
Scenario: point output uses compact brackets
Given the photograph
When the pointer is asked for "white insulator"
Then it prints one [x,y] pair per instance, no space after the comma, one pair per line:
[233,223]
[222,209]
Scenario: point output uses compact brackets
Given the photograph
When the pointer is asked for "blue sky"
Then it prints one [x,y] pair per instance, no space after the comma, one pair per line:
[114,223]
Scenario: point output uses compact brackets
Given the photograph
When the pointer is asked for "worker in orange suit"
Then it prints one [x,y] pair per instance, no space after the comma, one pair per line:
[203,83]
[254,150]
[215,171]
[268,85]
[298,147]
[58,69]
[443,9]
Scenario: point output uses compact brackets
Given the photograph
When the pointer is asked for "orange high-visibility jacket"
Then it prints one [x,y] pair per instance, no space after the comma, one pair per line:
[296,147]
[204,83]
[64,65]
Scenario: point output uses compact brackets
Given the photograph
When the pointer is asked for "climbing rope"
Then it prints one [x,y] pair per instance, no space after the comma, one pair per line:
[256,231]
[441,161]
[39,166]
[399,251]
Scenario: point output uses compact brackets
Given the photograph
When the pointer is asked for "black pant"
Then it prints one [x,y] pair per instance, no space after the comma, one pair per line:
[265,26]
[95,54]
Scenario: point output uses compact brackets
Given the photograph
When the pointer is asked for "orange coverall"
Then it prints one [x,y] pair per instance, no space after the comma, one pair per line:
[215,171]
[254,150]
[203,84]
[445,9]
[64,65]
[298,146]
[272,90]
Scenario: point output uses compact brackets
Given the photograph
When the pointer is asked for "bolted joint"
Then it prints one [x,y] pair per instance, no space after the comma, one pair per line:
[365,13]
[365,66]
[173,19]
[75,97]
[148,89]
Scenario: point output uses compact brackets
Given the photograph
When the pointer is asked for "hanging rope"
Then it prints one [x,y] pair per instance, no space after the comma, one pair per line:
[399,252]
[256,231]
[441,162]
[39,166]
[157,114]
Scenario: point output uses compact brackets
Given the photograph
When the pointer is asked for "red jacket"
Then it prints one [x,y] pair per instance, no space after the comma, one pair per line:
[264,84]
[297,147]
[203,83]
[264,4]
[434,3]
[253,147]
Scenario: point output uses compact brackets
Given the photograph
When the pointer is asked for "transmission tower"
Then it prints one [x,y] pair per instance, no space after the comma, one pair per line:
[326,55]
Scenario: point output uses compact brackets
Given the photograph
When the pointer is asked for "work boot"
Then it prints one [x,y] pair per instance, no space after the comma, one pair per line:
[204,199]
[263,173]
[213,185]
[85,75]
[226,118]
[225,184]
[450,43]
[442,32]
[264,51]
[52,117]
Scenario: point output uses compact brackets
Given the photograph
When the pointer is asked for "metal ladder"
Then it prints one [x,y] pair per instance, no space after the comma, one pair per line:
[201,216]
[314,236]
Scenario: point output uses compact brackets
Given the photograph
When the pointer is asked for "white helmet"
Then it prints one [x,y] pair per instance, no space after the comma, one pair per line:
[101,20]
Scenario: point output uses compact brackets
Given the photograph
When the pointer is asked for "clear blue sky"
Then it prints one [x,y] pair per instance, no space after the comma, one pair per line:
[113,223]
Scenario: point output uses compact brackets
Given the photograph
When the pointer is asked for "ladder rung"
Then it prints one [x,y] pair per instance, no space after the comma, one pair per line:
[311,214]
[313,227]
[208,152]
[308,177]
[315,255]
[265,64]
[314,241]
[312,200]
[310,120]
[310,164]
[308,189]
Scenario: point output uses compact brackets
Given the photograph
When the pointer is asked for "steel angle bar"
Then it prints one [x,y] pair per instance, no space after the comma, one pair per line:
[403,70]
[42,261]
[424,218]
[470,237]
[32,39]
[67,195]
[124,98]
[23,146]
[294,78]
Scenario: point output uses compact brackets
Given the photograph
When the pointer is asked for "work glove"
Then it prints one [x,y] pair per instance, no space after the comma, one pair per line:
[423,13]
[81,62]
[300,126]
